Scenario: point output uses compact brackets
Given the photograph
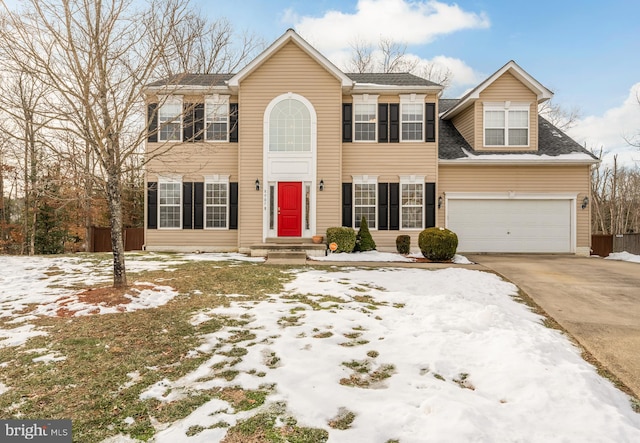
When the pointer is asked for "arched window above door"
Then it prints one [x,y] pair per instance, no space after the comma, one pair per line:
[290,126]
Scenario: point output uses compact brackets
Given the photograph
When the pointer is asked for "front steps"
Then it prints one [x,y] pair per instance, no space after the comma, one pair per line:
[288,250]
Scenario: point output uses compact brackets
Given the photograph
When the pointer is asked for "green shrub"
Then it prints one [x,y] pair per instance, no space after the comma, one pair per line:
[364,240]
[438,244]
[403,244]
[345,238]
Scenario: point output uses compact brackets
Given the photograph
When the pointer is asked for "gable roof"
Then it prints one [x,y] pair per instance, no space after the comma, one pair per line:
[290,36]
[554,146]
[542,93]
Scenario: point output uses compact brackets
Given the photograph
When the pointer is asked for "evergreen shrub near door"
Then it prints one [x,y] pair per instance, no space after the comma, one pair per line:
[345,238]
[403,244]
[438,244]
[364,240]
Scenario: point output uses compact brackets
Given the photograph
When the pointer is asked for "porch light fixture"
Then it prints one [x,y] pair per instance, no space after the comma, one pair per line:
[257,184]
[322,185]
[439,202]
[585,202]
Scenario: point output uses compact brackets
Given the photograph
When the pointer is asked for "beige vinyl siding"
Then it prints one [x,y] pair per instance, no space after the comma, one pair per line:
[192,161]
[507,88]
[521,179]
[205,240]
[465,124]
[288,70]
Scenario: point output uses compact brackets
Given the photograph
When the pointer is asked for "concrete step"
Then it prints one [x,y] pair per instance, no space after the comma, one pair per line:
[311,249]
[277,257]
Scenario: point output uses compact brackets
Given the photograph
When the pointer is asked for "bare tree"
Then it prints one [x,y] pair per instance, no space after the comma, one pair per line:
[197,45]
[562,118]
[96,55]
[436,73]
[361,57]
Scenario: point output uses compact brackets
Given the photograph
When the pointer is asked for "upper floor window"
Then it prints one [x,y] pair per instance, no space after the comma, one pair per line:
[217,202]
[365,117]
[412,117]
[217,118]
[169,202]
[506,124]
[170,120]
[290,127]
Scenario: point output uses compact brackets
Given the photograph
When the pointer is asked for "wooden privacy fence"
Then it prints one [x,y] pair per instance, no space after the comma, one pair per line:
[101,239]
[603,245]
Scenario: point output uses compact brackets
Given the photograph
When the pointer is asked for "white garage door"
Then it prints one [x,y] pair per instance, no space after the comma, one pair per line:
[511,225]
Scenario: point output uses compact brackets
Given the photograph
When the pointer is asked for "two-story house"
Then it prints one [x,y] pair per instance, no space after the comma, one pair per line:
[291,145]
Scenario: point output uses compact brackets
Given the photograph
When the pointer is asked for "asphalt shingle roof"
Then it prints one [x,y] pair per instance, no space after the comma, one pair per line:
[393,79]
[194,80]
[551,140]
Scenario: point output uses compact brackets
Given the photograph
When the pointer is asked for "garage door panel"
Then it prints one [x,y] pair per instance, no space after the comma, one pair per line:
[511,225]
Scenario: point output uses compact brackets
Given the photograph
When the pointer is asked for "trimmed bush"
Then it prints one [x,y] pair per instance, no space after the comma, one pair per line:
[438,244]
[403,244]
[364,240]
[345,238]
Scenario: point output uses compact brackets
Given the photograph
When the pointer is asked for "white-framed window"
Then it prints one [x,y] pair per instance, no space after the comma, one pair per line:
[170,119]
[290,127]
[412,117]
[412,195]
[506,124]
[365,118]
[216,110]
[365,199]
[169,202]
[216,202]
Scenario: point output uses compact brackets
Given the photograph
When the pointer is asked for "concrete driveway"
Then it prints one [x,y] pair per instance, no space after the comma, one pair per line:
[597,301]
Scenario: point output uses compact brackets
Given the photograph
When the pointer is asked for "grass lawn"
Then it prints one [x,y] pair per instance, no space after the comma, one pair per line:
[215,360]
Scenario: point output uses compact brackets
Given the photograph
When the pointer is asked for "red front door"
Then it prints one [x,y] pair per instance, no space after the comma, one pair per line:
[289,209]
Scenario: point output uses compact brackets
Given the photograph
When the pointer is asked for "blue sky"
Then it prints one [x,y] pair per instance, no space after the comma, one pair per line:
[587,52]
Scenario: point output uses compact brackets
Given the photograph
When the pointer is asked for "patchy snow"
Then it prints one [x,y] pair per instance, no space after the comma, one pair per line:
[377,256]
[3,388]
[466,363]
[51,357]
[462,360]
[574,156]
[624,256]
[49,284]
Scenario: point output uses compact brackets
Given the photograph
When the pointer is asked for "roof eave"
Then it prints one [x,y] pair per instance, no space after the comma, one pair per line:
[186,89]
[522,162]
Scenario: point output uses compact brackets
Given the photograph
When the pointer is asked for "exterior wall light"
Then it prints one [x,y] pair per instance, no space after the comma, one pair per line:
[440,202]
[322,185]
[585,202]
[257,184]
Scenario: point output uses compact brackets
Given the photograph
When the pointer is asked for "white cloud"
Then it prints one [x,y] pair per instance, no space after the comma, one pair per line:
[409,22]
[608,131]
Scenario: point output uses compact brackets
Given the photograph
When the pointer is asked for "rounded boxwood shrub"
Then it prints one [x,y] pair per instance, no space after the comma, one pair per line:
[364,240]
[345,238]
[403,244]
[438,244]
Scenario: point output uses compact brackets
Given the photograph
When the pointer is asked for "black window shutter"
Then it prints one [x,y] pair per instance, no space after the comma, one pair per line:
[187,122]
[187,205]
[233,122]
[383,206]
[347,214]
[431,205]
[198,122]
[346,122]
[233,205]
[394,122]
[430,122]
[152,122]
[198,205]
[152,205]
[394,206]
[383,123]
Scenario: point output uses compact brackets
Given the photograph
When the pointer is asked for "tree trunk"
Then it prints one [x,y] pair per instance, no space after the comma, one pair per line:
[114,198]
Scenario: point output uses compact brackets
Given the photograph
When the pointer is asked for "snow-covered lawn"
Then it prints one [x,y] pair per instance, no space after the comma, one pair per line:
[624,256]
[371,355]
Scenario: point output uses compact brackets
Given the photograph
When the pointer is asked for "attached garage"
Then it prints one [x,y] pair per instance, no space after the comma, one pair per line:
[535,224]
